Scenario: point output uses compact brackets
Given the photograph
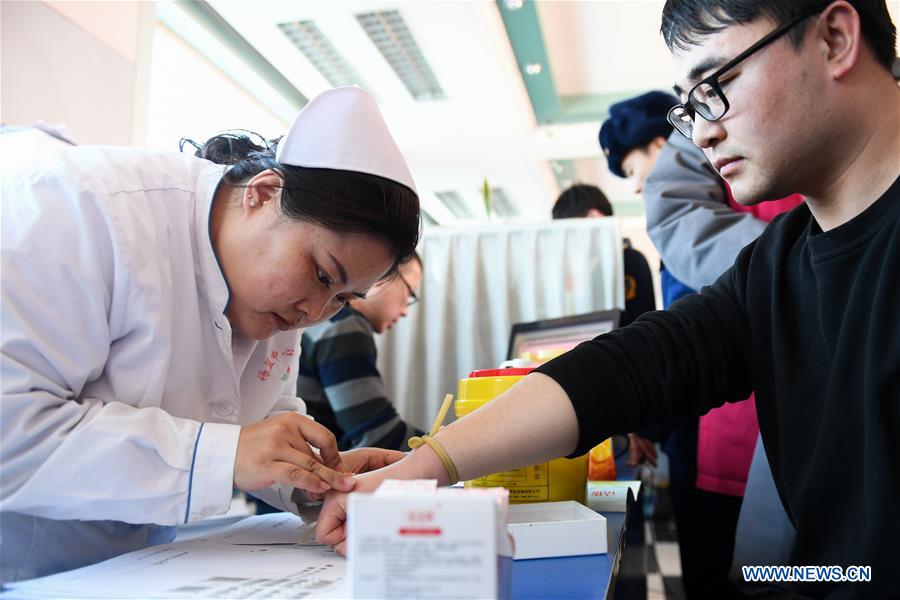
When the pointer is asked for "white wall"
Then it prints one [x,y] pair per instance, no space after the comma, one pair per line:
[189,97]
[83,64]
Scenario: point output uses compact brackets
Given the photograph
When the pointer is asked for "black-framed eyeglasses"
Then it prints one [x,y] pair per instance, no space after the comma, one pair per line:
[413,298]
[707,98]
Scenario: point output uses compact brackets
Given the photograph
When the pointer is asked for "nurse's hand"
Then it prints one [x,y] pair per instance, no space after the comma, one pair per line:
[363,460]
[277,450]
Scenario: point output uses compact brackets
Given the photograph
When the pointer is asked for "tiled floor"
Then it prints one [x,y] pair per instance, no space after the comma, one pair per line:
[650,568]
[665,584]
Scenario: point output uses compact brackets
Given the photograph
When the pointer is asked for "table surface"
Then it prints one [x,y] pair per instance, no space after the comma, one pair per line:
[591,576]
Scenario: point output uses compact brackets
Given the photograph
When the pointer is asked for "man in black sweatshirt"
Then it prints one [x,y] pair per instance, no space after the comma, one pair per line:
[782,97]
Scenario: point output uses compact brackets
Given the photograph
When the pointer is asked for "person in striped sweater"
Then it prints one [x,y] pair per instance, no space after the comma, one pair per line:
[339,378]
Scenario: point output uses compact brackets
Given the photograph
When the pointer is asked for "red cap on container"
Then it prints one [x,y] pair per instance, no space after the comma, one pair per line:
[509,372]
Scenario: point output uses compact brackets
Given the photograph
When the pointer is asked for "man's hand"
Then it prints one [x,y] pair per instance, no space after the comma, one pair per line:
[278,450]
[422,464]
[639,450]
[331,528]
[363,460]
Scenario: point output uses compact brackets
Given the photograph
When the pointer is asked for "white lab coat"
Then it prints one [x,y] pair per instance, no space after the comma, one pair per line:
[123,385]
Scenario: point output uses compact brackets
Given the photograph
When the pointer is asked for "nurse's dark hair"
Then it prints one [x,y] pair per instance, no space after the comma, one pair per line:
[342,201]
[686,22]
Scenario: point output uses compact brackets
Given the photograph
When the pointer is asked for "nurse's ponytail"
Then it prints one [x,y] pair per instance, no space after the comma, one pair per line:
[342,201]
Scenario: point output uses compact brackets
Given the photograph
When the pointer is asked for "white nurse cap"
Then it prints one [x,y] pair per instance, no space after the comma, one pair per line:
[343,129]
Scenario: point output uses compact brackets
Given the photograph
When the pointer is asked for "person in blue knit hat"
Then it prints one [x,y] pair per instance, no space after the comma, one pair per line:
[634,133]
[632,138]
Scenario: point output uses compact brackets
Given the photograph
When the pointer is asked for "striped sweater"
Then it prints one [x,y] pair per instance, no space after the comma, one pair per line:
[342,388]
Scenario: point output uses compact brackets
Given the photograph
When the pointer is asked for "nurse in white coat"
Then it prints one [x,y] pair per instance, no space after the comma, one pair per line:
[150,311]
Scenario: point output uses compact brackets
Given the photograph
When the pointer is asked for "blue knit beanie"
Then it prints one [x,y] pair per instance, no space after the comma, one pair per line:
[634,123]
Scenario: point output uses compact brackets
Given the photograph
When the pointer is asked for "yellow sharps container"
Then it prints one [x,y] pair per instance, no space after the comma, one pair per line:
[560,479]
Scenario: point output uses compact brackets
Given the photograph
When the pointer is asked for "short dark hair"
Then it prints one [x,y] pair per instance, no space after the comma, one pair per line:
[685,22]
[343,201]
[576,201]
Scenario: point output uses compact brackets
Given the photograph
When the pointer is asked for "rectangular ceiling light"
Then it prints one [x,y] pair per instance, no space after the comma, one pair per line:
[389,33]
[310,40]
[427,219]
[456,204]
[501,204]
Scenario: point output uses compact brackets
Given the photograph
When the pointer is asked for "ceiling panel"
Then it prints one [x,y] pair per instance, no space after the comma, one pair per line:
[396,43]
[319,50]
[601,47]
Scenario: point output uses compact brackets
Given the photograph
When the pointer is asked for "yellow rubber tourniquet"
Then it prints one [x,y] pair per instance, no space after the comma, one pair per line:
[419,441]
[435,445]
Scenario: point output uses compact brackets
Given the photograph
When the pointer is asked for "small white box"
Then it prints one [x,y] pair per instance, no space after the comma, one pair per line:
[547,529]
[611,496]
[410,540]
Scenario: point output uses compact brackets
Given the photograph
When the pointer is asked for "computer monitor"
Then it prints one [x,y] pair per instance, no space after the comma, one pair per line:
[540,341]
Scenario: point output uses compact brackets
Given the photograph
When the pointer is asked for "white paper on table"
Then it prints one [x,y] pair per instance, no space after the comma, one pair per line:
[273,528]
[224,564]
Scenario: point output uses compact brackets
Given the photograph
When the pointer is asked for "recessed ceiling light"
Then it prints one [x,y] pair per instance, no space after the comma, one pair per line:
[319,50]
[501,204]
[457,205]
[391,35]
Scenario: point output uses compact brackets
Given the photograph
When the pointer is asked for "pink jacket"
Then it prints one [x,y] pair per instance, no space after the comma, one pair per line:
[727,435]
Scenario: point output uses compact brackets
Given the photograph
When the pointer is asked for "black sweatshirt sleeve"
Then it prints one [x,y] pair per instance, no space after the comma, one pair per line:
[683,361]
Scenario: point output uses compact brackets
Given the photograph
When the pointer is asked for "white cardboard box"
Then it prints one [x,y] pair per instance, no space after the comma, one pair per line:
[412,541]
[547,529]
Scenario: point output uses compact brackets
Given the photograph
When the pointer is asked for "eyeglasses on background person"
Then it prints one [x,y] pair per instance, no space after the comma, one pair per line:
[413,298]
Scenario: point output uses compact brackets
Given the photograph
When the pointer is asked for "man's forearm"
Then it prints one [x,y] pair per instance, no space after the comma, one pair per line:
[532,422]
